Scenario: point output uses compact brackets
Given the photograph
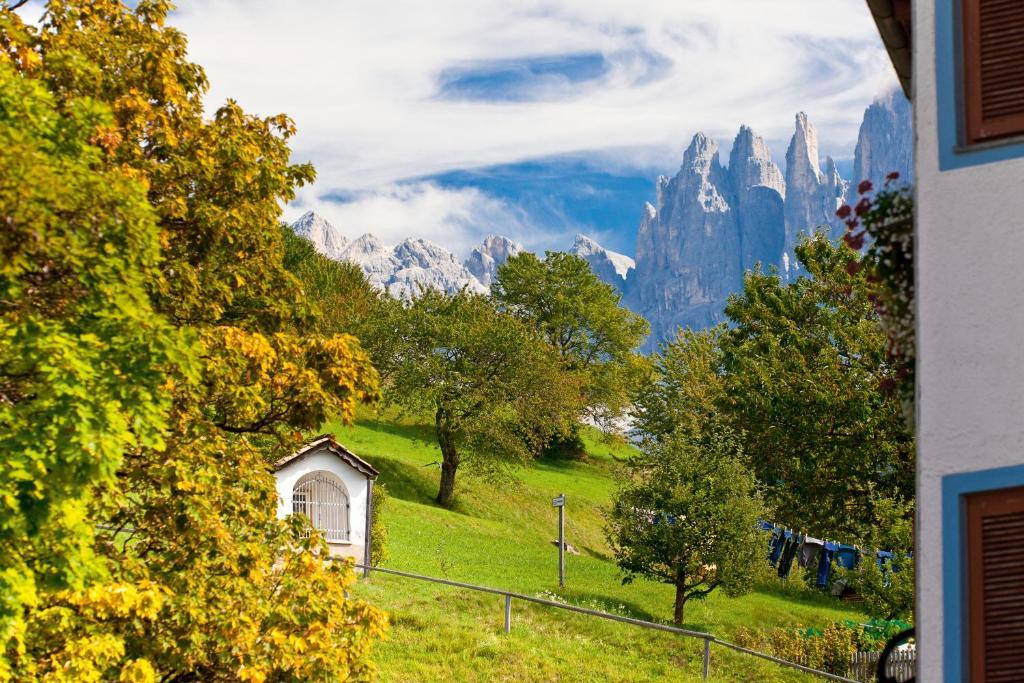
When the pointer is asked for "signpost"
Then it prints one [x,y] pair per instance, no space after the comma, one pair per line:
[559,503]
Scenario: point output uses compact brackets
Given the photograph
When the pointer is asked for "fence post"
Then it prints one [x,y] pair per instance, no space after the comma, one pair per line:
[707,657]
[508,613]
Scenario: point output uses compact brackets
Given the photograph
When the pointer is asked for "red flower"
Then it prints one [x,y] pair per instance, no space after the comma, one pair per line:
[865,186]
[863,206]
[851,223]
[893,176]
[853,267]
[854,240]
[844,211]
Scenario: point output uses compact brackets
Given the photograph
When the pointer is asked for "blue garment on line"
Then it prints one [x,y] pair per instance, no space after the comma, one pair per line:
[847,556]
[789,550]
[828,552]
[778,540]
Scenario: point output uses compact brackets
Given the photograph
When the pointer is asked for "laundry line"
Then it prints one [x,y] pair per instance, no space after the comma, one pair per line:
[785,545]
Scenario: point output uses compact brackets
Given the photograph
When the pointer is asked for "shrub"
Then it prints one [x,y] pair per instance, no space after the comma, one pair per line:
[378,529]
[829,650]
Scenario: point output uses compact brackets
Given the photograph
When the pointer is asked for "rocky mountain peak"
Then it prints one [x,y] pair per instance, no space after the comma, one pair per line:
[750,163]
[366,243]
[883,145]
[485,259]
[324,236]
[802,156]
[701,156]
[609,266]
[811,195]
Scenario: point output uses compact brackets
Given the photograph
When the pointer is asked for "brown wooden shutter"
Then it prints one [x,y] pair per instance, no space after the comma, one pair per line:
[993,68]
[995,585]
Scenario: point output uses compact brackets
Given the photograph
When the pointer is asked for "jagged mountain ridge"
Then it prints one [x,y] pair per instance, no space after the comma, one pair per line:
[712,223]
[403,269]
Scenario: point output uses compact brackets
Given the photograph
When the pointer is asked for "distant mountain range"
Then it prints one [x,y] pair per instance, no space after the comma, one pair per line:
[710,224]
[404,268]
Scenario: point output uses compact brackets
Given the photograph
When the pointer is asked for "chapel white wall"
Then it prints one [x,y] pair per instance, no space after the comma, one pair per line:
[355,482]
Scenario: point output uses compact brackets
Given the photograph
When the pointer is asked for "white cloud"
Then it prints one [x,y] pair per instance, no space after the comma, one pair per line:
[457,219]
[360,79]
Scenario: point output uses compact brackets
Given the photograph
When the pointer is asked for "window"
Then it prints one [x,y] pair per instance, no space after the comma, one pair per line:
[995,584]
[993,69]
[321,496]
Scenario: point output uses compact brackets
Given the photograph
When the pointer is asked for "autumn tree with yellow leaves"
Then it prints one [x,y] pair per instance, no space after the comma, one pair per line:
[154,353]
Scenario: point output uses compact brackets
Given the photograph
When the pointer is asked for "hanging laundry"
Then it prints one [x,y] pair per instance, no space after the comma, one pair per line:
[828,552]
[778,540]
[809,551]
[847,556]
[788,553]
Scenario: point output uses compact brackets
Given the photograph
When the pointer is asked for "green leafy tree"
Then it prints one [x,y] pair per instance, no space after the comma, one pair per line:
[154,337]
[803,362]
[496,391]
[343,299]
[685,388]
[582,319]
[686,514]
[83,355]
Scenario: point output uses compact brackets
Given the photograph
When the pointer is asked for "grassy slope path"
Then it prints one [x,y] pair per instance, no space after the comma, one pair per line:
[500,535]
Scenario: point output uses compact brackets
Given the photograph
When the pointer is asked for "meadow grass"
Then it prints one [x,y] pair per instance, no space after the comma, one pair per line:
[499,534]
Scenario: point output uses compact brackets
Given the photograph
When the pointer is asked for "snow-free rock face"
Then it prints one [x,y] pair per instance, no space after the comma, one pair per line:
[710,224]
[484,260]
[610,267]
[812,195]
[884,144]
[324,236]
[758,189]
[688,247]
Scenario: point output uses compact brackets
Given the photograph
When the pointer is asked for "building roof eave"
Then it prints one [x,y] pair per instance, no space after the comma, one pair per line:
[328,441]
[893,19]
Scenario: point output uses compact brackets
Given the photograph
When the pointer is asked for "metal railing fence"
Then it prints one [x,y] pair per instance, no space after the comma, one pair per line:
[708,638]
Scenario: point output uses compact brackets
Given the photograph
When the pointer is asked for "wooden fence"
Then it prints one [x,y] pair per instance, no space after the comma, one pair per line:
[902,665]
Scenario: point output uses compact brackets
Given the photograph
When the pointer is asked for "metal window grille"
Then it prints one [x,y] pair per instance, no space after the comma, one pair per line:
[322,498]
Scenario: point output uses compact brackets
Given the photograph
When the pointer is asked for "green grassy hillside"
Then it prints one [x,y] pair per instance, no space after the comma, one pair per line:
[500,534]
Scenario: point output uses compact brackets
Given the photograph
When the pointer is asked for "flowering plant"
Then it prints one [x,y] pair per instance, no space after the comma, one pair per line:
[882,224]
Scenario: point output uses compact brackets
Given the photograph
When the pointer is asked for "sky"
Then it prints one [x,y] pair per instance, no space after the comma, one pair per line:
[454,119]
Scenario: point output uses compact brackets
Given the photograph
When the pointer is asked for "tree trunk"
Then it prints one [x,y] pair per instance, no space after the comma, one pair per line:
[449,459]
[677,613]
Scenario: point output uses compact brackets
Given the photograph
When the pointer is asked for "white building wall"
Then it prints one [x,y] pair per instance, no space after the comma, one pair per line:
[356,483]
[970,270]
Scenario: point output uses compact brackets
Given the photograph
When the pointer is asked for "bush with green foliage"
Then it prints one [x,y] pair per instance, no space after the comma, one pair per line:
[830,650]
[378,529]
[888,590]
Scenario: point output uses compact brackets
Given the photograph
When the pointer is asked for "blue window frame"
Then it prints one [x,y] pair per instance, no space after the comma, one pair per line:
[954,608]
[949,99]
